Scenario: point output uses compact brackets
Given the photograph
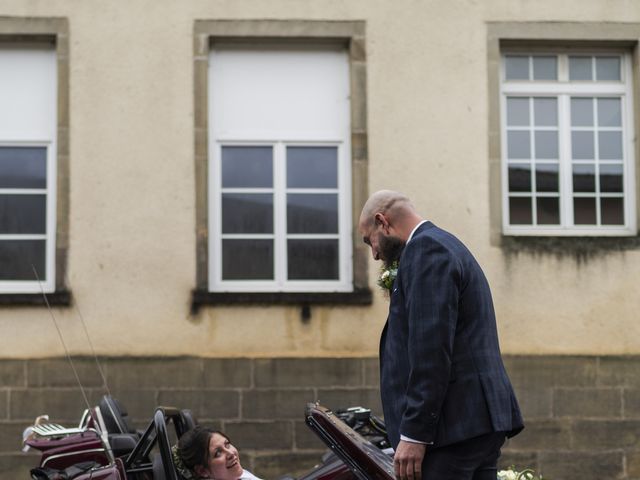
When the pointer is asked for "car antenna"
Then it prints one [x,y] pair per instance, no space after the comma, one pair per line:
[86,334]
[64,345]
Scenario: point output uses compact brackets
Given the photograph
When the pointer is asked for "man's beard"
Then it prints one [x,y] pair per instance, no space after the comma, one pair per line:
[391,249]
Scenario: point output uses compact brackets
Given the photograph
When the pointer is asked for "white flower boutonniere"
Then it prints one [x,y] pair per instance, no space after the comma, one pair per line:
[387,276]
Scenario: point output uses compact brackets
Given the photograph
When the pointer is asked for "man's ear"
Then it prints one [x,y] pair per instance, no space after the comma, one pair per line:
[381,220]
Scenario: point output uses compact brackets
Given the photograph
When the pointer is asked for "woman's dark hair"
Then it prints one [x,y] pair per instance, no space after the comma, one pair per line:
[193,446]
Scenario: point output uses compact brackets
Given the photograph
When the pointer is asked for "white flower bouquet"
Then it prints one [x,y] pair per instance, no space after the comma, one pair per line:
[513,474]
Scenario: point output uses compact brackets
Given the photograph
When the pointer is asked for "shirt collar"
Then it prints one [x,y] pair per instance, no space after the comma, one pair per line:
[414,230]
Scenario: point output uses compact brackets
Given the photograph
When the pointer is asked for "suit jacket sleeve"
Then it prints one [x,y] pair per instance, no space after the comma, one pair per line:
[430,276]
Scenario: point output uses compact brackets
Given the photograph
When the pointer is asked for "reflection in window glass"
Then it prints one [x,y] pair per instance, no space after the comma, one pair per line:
[23,214]
[516,68]
[584,211]
[517,111]
[612,211]
[581,112]
[582,145]
[247,213]
[23,167]
[609,112]
[584,178]
[518,144]
[17,257]
[519,177]
[611,178]
[545,68]
[247,259]
[312,213]
[313,259]
[545,112]
[547,177]
[247,167]
[546,143]
[312,167]
[548,210]
[608,68]
[580,68]
[520,211]
[610,145]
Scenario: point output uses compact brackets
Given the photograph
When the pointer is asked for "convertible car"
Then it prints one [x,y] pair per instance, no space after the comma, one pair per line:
[105,445]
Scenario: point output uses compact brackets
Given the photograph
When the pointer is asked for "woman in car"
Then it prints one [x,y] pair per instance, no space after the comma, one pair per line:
[206,453]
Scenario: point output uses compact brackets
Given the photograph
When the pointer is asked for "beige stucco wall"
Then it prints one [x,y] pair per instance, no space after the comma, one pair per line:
[132,226]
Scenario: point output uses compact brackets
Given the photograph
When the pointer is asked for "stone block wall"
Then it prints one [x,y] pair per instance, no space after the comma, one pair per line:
[582,413]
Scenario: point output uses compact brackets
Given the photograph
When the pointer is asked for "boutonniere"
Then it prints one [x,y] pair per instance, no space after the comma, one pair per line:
[387,276]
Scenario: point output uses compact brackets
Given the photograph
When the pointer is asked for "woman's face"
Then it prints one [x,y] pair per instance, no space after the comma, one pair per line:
[224,462]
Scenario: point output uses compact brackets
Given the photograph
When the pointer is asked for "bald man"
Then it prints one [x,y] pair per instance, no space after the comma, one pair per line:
[448,403]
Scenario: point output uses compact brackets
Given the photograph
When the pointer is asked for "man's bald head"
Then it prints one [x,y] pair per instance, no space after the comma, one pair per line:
[393,205]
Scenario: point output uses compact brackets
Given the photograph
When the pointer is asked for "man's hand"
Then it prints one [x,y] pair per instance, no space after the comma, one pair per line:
[407,461]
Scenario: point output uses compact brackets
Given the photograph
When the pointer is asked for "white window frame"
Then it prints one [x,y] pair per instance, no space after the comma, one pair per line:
[563,89]
[340,138]
[46,139]
[280,236]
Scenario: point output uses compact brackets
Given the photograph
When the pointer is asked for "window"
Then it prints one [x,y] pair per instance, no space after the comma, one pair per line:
[281,162]
[280,168]
[567,143]
[28,153]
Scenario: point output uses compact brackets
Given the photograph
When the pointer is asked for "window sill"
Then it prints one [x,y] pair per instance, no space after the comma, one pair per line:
[60,298]
[202,298]
[580,247]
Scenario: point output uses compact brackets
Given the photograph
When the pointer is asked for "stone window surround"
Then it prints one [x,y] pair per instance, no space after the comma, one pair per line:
[352,33]
[53,31]
[559,35]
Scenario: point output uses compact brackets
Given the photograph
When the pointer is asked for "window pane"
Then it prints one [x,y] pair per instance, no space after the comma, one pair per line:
[582,145]
[313,259]
[312,213]
[517,68]
[580,68]
[584,178]
[17,256]
[23,167]
[250,259]
[517,111]
[518,144]
[247,213]
[519,177]
[546,144]
[608,68]
[612,211]
[584,211]
[548,210]
[247,167]
[545,68]
[23,213]
[609,112]
[545,112]
[611,178]
[312,167]
[581,112]
[610,145]
[547,177]
[520,211]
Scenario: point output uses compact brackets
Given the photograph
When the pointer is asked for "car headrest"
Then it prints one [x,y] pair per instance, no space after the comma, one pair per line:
[115,416]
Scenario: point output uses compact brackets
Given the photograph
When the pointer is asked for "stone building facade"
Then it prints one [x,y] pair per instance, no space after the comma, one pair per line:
[133,143]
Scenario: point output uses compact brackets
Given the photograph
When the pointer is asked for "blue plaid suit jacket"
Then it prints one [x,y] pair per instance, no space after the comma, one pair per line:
[442,378]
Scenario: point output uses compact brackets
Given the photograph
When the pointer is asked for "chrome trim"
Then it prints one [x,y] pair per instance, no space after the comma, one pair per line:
[69,454]
[104,436]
